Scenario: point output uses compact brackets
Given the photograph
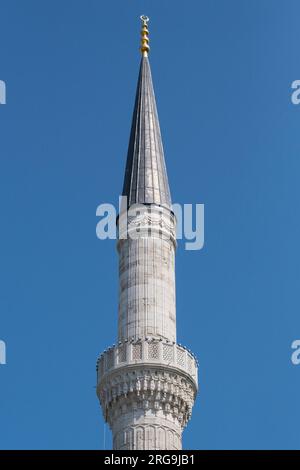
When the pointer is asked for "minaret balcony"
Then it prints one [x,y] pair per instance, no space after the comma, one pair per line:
[148,351]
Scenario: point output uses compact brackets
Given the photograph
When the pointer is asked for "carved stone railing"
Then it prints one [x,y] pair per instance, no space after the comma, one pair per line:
[146,352]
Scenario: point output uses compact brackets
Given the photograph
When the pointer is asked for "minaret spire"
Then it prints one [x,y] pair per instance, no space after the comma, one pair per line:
[146,180]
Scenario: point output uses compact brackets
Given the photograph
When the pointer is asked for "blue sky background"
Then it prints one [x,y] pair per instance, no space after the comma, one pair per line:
[222,72]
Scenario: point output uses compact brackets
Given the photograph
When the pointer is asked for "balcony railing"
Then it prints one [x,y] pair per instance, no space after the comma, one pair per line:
[147,351]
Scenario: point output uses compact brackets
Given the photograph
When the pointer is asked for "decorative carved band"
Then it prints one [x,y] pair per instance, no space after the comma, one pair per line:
[148,391]
[147,220]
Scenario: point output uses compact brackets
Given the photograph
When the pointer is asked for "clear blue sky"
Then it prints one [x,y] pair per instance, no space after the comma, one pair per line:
[222,72]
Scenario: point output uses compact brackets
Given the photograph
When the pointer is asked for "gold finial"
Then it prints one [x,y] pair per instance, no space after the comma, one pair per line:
[144,36]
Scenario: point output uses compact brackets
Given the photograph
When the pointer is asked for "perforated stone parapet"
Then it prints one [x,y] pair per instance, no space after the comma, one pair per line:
[148,351]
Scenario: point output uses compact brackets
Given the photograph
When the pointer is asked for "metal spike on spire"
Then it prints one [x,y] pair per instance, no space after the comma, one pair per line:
[144,36]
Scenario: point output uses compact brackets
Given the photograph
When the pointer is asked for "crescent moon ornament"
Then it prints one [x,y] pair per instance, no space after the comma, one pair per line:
[145,19]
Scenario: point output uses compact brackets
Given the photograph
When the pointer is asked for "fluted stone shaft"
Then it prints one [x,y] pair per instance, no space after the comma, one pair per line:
[135,431]
[147,277]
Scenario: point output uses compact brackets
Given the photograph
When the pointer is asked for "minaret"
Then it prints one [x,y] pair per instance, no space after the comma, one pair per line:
[146,384]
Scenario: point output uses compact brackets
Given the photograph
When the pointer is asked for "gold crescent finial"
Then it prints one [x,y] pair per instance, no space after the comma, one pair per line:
[144,36]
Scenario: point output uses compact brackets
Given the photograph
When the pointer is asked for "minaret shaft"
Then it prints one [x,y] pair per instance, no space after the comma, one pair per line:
[147,278]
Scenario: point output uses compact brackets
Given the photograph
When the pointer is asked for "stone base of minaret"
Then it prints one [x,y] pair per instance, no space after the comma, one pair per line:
[147,390]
